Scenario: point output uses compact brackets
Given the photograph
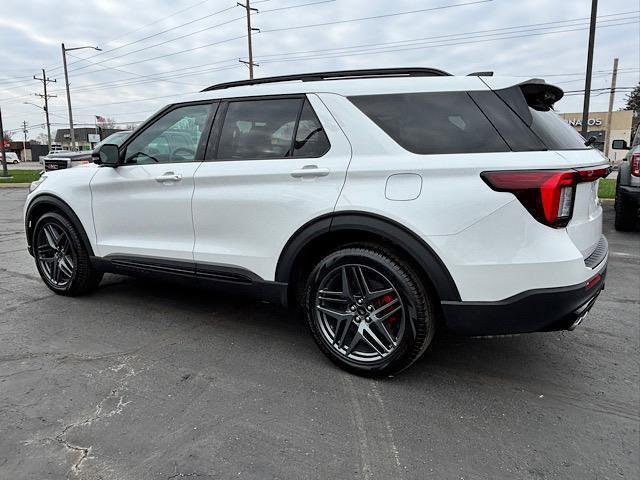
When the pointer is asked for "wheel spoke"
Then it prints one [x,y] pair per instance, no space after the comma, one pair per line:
[385,306]
[55,271]
[330,296]
[346,288]
[376,344]
[385,333]
[50,234]
[338,315]
[344,327]
[66,265]
[354,342]
[360,282]
[389,313]
[378,293]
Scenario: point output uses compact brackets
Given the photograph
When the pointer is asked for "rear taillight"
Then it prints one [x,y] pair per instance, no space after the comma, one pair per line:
[548,195]
[635,164]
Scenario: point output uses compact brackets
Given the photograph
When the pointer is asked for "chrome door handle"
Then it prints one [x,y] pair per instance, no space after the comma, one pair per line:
[309,171]
[169,177]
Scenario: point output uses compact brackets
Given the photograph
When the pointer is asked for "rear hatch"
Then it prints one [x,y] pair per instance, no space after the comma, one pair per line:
[532,103]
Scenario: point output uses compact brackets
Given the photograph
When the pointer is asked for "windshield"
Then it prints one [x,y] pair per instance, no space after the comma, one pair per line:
[114,139]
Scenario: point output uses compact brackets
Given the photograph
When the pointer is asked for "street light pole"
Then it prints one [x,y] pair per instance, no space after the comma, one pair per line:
[66,81]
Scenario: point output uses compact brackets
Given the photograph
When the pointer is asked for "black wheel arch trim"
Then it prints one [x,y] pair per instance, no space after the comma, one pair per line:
[58,203]
[381,226]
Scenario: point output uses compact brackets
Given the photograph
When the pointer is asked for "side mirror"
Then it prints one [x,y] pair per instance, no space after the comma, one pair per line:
[107,155]
[619,145]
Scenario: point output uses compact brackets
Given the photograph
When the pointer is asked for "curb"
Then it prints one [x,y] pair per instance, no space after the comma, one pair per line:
[14,185]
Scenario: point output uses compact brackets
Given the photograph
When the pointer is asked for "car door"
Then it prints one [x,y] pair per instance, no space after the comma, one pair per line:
[272,165]
[143,206]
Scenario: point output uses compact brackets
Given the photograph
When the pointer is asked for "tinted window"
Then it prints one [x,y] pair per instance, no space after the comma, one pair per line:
[174,137]
[512,129]
[553,131]
[311,140]
[258,129]
[431,123]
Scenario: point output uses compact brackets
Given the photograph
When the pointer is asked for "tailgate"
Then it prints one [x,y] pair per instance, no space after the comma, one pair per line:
[585,227]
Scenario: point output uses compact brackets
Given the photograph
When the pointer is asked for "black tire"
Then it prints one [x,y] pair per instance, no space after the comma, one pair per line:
[15,162]
[84,277]
[626,219]
[417,315]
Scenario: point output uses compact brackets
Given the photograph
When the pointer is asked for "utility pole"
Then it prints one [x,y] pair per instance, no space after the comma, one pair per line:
[24,141]
[3,157]
[612,94]
[250,63]
[66,81]
[46,97]
[587,81]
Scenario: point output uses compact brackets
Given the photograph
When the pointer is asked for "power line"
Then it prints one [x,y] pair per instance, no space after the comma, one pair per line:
[374,17]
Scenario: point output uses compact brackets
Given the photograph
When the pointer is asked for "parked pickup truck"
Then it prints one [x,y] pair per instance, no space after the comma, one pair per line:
[60,160]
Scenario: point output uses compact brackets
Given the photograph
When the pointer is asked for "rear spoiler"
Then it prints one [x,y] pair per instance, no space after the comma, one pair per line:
[540,95]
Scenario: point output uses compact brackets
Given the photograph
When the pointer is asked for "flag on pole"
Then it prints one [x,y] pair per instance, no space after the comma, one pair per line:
[100,119]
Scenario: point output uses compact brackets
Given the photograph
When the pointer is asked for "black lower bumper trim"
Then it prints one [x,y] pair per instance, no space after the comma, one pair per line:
[534,311]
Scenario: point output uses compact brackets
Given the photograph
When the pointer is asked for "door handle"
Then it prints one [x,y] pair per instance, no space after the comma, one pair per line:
[169,177]
[309,171]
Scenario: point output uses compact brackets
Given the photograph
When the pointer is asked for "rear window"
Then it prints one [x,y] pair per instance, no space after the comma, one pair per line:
[553,131]
[432,123]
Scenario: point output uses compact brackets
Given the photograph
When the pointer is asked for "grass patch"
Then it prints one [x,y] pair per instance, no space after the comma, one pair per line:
[21,176]
[607,188]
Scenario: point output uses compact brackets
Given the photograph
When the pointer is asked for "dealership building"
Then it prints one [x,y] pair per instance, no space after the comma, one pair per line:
[621,122]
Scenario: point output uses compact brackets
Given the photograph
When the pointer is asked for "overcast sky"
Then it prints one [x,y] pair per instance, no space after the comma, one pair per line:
[510,37]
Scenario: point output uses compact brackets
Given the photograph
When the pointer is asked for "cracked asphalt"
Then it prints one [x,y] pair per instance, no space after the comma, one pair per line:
[143,380]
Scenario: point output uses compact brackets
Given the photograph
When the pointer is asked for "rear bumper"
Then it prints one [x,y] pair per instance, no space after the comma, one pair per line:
[533,311]
[630,194]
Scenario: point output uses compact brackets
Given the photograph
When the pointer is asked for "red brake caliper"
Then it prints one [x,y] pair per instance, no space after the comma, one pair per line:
[385,299]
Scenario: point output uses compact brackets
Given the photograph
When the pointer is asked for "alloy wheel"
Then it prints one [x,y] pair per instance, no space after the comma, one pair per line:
[360,313]
[55,255]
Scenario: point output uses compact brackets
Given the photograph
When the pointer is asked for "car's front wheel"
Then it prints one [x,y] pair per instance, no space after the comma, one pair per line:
[61,257]
[368,310]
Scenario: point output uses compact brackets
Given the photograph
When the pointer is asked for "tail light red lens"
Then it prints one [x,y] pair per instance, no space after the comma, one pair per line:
[548,195]
[635,164]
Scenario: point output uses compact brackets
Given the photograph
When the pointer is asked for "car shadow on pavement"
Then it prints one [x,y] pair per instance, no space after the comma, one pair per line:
[471,358]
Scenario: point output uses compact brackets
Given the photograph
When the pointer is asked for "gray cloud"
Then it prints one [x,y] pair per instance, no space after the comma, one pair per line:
[31,32]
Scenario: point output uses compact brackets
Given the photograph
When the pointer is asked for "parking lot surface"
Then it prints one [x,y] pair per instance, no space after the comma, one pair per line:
[142,380]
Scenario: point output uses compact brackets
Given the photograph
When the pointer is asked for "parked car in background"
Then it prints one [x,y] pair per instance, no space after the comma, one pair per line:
[65,159]
[12,157]
[628,186]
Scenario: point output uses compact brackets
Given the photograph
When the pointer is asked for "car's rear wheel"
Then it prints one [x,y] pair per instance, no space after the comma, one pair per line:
[368,310]
[61,257]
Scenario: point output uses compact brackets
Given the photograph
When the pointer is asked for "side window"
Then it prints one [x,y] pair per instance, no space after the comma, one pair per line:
[432,123]
[311,140]
[271,129]
[172,138]
[258,129]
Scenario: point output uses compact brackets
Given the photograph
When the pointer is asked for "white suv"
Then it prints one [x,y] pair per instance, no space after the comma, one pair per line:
[384,202]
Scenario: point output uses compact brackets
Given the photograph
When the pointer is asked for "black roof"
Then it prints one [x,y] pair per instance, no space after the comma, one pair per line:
[337,74]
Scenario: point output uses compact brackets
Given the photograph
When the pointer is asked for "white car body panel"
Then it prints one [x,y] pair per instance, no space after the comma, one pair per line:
[135,214]
[246,211]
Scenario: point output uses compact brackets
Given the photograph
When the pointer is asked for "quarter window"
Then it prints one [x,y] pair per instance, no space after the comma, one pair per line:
[266,129]
[432,123]
[172,138]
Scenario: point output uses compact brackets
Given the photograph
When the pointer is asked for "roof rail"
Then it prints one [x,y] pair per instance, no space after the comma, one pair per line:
[338,74]
[480,74]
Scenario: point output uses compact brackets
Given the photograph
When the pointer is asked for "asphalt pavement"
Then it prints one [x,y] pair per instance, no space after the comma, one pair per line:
[142,380]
